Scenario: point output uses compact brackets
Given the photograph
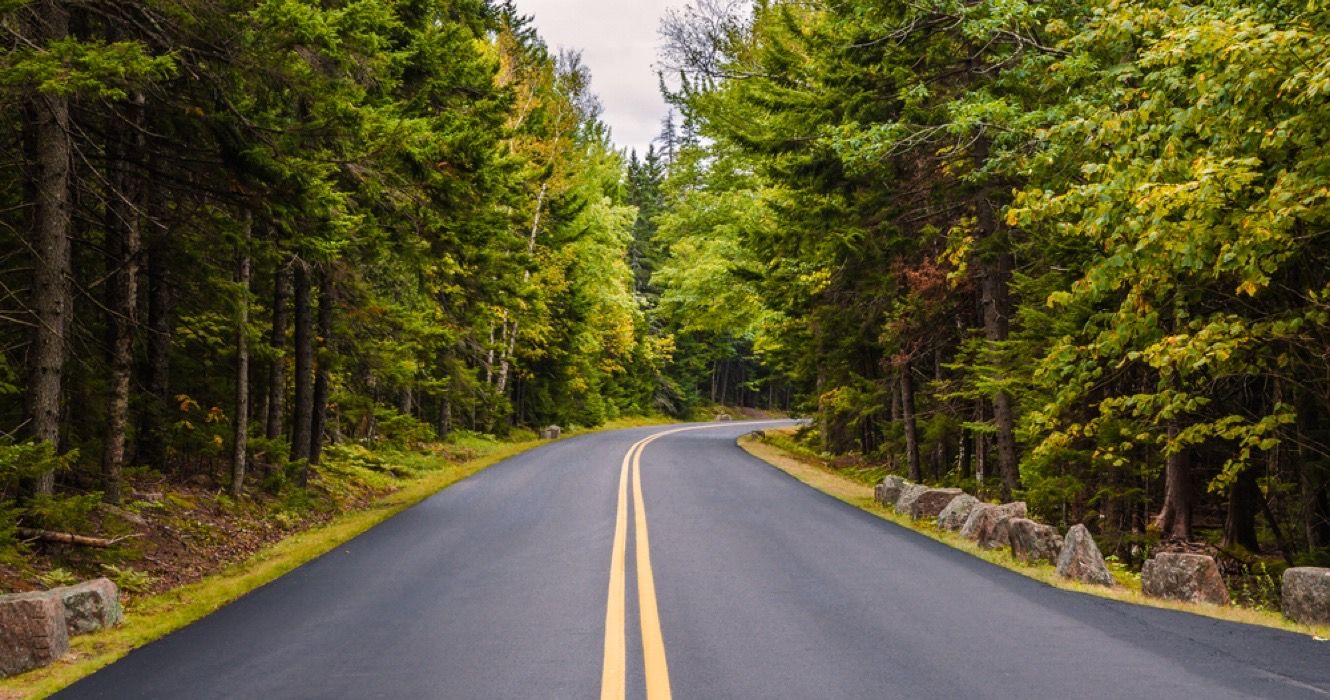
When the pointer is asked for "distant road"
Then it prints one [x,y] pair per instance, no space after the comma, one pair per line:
[751,585]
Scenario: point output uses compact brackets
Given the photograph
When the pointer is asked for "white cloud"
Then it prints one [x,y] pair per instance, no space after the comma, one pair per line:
[618,41]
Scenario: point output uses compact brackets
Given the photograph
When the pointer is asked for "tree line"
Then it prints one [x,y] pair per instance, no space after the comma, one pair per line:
[233,231]
[1071,252]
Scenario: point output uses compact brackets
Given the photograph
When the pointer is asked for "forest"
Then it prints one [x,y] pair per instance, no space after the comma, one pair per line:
[234,233]
[1069,252]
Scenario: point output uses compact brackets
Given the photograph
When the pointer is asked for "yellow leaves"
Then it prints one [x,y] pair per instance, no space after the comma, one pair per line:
[816,281]
[957,256]
[1058,298]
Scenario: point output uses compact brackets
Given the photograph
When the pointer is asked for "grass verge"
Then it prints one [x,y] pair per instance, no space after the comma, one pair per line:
[155,617]
[813,471]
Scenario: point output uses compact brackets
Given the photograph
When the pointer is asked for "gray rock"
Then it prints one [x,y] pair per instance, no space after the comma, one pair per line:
[954,515]
[32,631]
[1032,541]
[1306,595]
[550,432]
[90,606]
[1189,577]
[983,516]
[1080,559]
[723,417]
[973,520]
[908,496]
[888,491]
[931,502]
[998,536]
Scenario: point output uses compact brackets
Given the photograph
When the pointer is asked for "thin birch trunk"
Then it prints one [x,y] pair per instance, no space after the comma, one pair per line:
[123,227]
[510,330]
[241,436]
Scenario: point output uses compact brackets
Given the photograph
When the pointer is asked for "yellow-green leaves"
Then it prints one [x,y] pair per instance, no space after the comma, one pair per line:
[94,68]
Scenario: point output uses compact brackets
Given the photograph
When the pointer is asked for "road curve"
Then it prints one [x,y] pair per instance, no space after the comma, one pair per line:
[497,588]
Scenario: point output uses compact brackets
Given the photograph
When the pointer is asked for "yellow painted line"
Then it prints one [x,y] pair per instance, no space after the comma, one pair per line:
[613,677]
[653,641]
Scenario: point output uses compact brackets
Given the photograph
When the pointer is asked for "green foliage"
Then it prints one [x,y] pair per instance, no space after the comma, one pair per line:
[62,513]
[1257,586]
[27,460]
[94,68]
[269,453]
[128,578]
[8,378]
[59,576]
[1108,218]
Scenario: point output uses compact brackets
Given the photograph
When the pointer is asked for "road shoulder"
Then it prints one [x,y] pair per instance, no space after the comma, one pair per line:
[161,614]
[860,495]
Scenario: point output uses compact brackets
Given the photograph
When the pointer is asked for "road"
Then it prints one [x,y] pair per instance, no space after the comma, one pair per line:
[751,585]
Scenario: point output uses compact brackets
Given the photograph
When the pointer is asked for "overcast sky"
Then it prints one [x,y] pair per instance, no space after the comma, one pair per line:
[618,42]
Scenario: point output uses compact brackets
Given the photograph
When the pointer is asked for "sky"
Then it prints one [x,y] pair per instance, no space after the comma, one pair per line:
[618,41]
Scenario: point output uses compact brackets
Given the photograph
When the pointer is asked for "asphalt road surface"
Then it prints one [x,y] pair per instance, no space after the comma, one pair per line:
[531,580]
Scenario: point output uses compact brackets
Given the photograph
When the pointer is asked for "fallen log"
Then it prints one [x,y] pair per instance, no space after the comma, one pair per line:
[67,537]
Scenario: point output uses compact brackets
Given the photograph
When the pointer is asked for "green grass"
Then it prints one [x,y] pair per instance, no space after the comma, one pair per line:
[154,617]
[811,469]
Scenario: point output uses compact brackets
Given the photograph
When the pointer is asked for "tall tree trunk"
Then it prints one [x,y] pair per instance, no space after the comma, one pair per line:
[303,410]
[896,411]
[1240,524]
[715,369]
[907,415]
[510,347]
[724,380]
[241,438]
[152,441]
[46,121]
[319,415]
[281,289]
[997,310]
[964,454]
[489,360]
[1175,518]
[123,221]
[445,418]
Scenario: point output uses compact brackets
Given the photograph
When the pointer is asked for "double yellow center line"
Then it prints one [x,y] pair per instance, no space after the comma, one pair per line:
[613,679]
